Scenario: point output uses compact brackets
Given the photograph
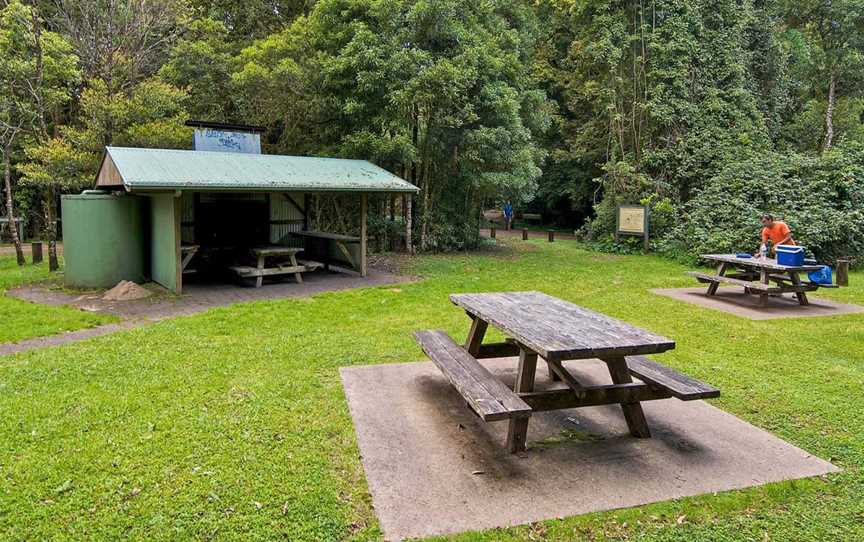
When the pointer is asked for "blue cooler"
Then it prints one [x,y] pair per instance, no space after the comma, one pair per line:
[790,255]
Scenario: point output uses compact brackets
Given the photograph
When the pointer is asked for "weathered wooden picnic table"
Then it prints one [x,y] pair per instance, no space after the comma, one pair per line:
[539,325]
[260,270]
[756,274]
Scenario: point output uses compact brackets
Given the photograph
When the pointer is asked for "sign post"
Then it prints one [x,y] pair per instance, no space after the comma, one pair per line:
[632,220]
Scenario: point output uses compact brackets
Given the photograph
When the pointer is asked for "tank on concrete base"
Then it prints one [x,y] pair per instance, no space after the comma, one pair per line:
[103,239]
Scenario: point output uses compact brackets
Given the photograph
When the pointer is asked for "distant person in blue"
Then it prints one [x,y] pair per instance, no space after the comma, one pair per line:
[508,214]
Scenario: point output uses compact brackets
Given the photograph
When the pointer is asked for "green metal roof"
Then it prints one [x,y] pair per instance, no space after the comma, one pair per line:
[166,169]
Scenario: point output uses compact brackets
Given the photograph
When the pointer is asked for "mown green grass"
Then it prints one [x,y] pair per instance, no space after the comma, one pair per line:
[232,424]
[21,320]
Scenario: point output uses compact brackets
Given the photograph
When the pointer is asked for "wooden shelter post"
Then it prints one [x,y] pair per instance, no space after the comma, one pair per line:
[178,253]
[364,203]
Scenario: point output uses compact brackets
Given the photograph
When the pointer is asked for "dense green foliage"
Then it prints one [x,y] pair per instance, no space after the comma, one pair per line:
[565,107]
[680,103]
[145,434]
[820,197]
[437,91]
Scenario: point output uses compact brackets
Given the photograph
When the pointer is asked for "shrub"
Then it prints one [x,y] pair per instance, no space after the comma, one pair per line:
[820,197]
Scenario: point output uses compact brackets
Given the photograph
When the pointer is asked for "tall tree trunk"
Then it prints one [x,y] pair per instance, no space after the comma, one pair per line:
[829,114]
[48,196]
[424,219]
[10,210]
[50,204]
[40,73]
[425,214]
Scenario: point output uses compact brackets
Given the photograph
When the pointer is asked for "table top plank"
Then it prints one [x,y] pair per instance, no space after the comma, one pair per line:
[559,330]
[760,263]
[275,250]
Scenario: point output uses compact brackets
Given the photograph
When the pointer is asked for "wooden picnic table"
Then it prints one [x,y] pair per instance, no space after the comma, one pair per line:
[261,270]
[539,325]
[756,274]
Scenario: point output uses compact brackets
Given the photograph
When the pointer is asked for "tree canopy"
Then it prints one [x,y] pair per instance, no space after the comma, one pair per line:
[709,111]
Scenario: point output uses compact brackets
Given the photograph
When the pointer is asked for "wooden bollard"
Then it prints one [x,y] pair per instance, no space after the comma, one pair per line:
[843,272]
[492,232]
[551,235]
[524,234]
[36,252]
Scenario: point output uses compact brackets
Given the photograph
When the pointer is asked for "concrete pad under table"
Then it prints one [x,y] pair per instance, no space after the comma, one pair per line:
[734,301]
[434,468]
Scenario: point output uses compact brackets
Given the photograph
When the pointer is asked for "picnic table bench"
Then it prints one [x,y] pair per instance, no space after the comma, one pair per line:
[260,270]
[538,325]
[756,276]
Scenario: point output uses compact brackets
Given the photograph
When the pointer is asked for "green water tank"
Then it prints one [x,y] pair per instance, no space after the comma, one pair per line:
[104,239]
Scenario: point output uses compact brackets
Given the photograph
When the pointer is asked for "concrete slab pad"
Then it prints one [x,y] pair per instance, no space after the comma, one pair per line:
[735,301]
[435,468]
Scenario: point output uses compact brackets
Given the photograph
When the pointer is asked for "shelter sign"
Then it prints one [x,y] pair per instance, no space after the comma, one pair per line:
[211,139]
[632,220]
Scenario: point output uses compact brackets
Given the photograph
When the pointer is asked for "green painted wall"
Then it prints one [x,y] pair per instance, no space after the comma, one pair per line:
[164,242]
[103,239]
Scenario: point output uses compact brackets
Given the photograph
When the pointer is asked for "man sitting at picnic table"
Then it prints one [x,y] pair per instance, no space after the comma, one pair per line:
[775,231]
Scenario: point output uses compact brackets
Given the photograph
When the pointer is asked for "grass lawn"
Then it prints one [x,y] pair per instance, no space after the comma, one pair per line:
[21,320]
[232,424]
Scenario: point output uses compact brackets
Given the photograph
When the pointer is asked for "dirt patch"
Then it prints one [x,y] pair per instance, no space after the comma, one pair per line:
[390,262]
[126,290]
[512,250]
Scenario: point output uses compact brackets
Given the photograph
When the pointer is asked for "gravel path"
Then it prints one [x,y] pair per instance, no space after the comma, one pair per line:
[7,349]
[196,298]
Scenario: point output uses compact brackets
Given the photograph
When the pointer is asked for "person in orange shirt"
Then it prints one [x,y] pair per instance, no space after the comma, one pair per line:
[775,231]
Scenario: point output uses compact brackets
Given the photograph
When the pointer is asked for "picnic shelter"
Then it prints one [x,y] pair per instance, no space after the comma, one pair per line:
[160,214]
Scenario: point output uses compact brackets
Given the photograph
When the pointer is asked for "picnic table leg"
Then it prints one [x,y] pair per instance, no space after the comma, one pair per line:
[764,278]
[297,276]
[475,335]
[632,411]
[517,432]
[322,252]
[802,296]
[259,280]
[721,270]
